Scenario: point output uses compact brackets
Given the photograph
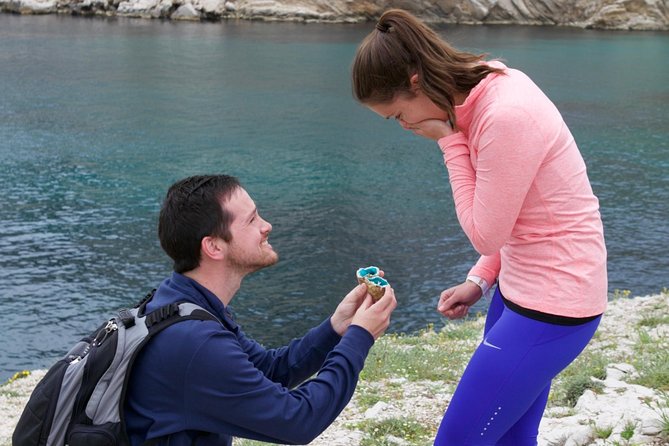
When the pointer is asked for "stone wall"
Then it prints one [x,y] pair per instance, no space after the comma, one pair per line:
[602,14]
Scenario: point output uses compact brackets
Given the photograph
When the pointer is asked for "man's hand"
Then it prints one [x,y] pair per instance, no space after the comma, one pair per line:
[454,303]
[346,309]
[375,316]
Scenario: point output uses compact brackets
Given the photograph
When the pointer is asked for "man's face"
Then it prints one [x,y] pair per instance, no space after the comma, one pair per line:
[249,249]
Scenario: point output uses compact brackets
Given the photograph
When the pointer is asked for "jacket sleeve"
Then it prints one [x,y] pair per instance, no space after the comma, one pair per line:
[509,148]
[292,364]
[487,268]
[227,393]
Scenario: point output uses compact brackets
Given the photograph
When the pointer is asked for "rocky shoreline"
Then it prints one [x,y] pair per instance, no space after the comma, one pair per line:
[617,411]
[599,14]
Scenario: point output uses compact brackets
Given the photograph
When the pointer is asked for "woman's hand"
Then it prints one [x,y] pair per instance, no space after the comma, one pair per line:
[434,129]
[454,303]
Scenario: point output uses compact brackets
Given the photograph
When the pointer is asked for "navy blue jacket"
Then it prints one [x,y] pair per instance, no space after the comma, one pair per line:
[202,382]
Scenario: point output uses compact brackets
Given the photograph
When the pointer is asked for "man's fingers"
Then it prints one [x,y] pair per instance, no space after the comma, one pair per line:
[366,303]
[387,300]
[358,292]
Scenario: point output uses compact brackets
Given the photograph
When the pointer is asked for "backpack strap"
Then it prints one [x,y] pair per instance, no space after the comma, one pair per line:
[142,303]
[184,309]
[155,322]
[194,311]
[161,314]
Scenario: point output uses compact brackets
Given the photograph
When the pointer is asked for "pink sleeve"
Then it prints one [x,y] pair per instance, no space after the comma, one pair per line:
[487,268]
[508,154]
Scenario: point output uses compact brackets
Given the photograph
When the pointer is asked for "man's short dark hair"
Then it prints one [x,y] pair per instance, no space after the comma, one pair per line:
[194,209]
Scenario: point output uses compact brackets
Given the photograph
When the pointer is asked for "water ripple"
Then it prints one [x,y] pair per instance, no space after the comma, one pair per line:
[99,117]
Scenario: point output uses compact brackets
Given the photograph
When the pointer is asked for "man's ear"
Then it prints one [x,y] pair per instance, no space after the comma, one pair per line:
[213,247]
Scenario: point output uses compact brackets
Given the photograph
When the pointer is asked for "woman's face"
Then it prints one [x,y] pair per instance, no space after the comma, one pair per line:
[409,109]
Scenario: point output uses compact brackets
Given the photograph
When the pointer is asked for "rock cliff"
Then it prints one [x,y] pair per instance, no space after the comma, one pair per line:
[603,14]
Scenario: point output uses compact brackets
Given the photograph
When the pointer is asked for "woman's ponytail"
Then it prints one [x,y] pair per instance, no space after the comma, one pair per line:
[401,46]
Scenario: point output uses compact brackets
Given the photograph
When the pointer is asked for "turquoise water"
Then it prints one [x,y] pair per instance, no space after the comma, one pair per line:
[98,117]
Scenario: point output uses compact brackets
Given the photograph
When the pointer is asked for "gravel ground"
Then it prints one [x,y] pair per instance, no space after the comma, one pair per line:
[632,413]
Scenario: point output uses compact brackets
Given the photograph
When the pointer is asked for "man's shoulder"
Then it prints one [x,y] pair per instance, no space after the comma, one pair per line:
[181,345]
[190,332]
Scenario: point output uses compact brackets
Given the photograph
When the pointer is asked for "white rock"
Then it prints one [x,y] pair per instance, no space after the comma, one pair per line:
[397,380]
[136,7]
[216,7]
[32,6]
[557,412]
[651,426]
[185,12]
[579,436]
[587,402]
[94,4]
[396,440]
[377,411]
[162,10]
[621,372]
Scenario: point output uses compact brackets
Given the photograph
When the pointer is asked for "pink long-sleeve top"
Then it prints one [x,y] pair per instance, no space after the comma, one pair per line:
[523,198]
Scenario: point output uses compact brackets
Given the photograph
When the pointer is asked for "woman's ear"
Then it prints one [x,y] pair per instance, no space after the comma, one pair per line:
[413,80]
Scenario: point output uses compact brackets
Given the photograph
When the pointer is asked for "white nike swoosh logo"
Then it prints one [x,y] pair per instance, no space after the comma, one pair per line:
[488,344]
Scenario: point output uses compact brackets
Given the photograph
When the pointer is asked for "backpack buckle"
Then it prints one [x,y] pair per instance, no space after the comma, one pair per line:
[126,317]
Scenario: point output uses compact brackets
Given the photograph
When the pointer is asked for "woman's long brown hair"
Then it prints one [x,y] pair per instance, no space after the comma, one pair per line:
[401,46]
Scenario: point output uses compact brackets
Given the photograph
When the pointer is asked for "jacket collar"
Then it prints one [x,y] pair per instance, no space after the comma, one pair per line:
[464,112]
[179,288]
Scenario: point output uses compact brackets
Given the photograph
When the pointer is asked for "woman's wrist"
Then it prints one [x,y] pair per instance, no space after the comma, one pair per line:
[480,282]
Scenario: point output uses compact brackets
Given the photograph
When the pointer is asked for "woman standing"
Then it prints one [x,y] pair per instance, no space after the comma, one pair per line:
[524,200]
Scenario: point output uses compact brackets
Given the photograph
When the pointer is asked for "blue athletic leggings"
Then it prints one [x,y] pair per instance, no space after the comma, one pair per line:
[503,392]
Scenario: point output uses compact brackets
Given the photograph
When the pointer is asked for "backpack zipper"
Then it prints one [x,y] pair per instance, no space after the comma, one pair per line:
[111,327]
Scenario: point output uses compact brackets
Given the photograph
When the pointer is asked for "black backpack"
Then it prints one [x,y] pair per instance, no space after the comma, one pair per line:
[79,402]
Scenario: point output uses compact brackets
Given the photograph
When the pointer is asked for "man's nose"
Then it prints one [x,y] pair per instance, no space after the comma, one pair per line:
[268,227]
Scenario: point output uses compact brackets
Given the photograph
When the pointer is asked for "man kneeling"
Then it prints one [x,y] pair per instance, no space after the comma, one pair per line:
[203,382]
